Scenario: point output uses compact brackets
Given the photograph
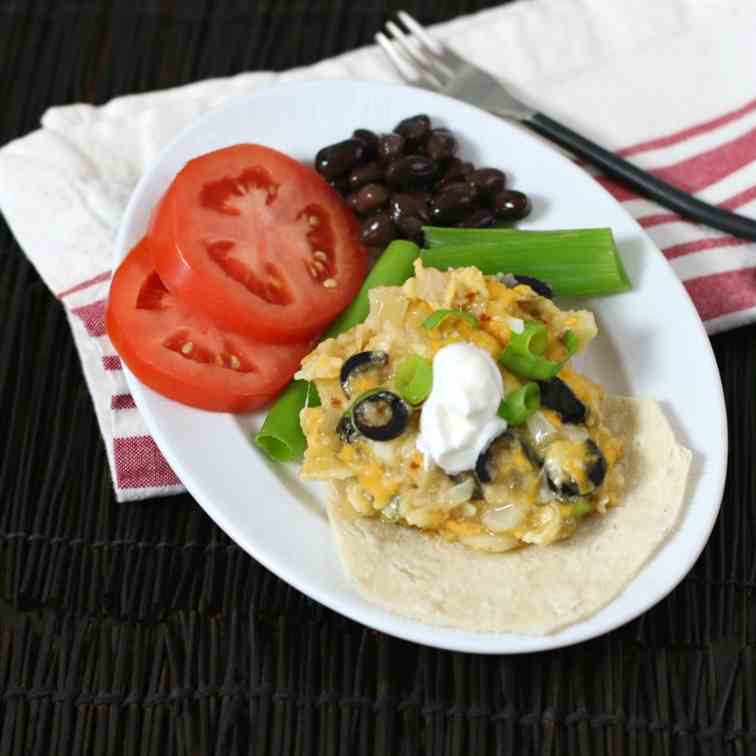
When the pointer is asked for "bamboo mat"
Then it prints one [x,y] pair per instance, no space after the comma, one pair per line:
[142,629]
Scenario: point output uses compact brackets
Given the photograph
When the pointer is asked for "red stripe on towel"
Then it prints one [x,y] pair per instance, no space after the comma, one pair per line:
[93,317]
[723,293]
[85,284]
[122,402]
[691,131]
[139,464]
[699,245]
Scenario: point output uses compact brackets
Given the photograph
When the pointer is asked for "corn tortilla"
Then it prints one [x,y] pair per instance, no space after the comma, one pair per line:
[539,589]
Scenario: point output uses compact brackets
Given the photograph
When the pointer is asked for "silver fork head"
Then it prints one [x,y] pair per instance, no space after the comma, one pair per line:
[426,62]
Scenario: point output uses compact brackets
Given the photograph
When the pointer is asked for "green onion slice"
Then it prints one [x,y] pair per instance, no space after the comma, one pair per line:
[414,379]
[529,365]
[533,340]
[581,508]
[435,319]
[517,406]
[572,343]
[523,355]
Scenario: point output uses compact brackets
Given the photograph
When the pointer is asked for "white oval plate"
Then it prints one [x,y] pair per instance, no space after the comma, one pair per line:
[652,343]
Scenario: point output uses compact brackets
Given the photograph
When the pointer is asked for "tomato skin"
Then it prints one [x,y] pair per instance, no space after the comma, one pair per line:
[241,249]
[149,327]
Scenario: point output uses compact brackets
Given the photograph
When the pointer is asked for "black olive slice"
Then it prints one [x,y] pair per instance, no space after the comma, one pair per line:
[538,286]
[360,363]
[484,469]
[558,396]
[380,416]
[563,484]
[595,463]
[531,454]
[567,489]
[346,429]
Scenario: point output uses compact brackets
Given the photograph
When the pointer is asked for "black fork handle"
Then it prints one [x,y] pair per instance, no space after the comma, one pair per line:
[646,184]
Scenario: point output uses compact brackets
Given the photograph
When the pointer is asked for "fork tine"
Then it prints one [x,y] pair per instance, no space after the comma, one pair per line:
[419,31]
[430,67]
[442,55]
[406,71]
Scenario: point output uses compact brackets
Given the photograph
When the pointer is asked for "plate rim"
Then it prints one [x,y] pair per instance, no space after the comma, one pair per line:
[488,643]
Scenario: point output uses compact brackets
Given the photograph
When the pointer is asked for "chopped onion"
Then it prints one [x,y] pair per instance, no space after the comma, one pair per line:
[488,542]
[391,510]
[502,518]
[358,500]
[517,325]
[468,510]
[545,494]
[540,429]
[575,433]
[460,493]
[548,523]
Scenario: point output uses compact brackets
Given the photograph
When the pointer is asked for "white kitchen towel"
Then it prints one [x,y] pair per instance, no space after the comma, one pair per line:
[670,85]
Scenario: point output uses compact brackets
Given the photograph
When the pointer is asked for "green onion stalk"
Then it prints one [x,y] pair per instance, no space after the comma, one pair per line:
[579,263]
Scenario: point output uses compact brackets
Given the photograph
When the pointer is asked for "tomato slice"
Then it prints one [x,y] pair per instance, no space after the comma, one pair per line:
[261,244]
[181,353]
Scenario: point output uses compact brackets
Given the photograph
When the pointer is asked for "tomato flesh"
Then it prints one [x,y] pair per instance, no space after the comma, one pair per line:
[183,354]
[260,243]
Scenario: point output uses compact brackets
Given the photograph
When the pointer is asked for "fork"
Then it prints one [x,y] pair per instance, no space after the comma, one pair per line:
[423,61]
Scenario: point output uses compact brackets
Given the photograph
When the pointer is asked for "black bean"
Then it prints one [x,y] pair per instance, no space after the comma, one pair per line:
[453,203]
[488,181]
[340,184]
[538,286]
[351,200]
[411,172]
[378,230]
[412,230]
[370,197]
[390,147]
[414,129]
[440,145]
[480,218]
[338,159]
[456,171]
[511,205]
[368,173]
[409,205]
[370,140]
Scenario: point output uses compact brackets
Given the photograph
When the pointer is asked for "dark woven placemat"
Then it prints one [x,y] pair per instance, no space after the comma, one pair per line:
[142,629]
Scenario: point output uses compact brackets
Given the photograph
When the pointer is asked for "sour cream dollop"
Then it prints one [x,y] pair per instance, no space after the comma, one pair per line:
[458,420]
